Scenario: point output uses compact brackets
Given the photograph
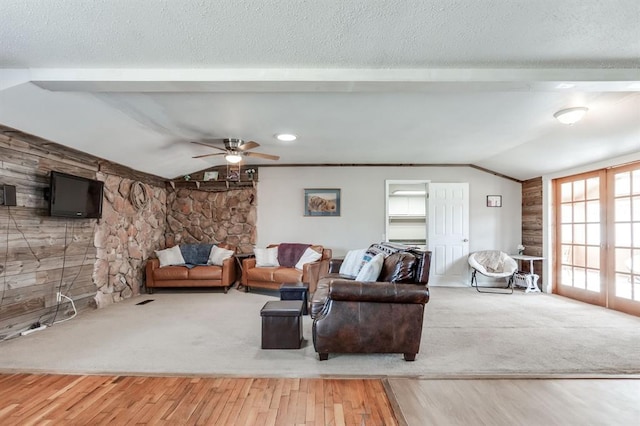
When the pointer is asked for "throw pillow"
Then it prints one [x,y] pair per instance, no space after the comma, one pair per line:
[352,262]
[266,256]
[170,256]
[195,254]
[309,255]
[218,255]
[371,270]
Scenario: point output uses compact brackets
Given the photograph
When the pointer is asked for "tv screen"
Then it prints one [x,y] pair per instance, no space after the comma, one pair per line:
[75,196]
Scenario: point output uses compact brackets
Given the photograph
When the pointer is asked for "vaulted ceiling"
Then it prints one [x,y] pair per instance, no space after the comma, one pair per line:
[359,82]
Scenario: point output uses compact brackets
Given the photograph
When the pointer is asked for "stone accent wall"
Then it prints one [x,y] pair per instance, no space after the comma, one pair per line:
[213,217]
[125,238]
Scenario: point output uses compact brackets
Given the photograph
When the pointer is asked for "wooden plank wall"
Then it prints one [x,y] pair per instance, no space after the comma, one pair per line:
[39,254]
[532,221]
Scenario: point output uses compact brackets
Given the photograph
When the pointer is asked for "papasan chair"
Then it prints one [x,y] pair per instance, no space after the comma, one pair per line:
[493,264]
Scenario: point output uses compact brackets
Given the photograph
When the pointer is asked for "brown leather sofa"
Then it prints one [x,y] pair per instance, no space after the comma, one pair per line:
[197,276]
[373,317]
[271,277]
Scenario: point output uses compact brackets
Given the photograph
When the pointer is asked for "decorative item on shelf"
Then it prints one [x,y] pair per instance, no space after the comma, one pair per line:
[521,249]
[208,176]
[250,173]
[233,176]
[494,200]
[187,177]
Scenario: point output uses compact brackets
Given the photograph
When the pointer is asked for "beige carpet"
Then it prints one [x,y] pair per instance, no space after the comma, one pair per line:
[211,333]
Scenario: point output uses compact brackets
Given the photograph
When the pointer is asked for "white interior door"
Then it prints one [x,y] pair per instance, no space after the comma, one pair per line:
[449,233]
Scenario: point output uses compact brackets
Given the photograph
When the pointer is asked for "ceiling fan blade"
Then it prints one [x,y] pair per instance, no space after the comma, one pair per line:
[248,145]
[209,146]
[210,155]
[261,155]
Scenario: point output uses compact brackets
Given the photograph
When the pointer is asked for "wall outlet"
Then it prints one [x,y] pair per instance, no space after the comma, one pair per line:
[58,297]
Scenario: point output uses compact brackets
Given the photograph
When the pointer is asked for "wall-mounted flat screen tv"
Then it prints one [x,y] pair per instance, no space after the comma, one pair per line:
[75,196]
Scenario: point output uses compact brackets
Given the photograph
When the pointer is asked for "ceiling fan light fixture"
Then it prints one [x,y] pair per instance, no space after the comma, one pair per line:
[571,115]
[233,158]
[286,137]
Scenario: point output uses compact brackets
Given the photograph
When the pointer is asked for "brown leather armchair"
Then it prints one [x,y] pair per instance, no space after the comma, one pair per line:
[373,317]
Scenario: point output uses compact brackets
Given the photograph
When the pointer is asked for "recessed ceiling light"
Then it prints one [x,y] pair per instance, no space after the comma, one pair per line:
[286,137]
[571,115]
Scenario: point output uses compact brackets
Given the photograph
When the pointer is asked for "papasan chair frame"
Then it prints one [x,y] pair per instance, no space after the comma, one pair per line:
[493,264]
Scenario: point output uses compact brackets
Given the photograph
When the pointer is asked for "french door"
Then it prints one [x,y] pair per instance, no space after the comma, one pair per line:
[598,238]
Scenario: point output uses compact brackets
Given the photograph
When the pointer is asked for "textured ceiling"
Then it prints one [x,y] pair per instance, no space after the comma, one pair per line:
[446,81]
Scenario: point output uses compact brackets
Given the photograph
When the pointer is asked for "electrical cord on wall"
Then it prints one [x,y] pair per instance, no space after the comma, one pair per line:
[64,257]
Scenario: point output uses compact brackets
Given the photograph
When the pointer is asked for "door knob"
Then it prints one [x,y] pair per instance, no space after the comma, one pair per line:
[465,241]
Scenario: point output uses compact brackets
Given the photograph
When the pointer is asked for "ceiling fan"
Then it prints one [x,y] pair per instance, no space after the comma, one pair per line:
[234,149]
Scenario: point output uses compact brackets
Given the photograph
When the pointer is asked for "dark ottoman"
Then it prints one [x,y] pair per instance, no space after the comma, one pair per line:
[282,324]
[295,291]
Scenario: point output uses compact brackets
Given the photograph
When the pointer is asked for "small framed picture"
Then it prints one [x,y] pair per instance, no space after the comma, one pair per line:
[210,176]
[322,202]
[494,200]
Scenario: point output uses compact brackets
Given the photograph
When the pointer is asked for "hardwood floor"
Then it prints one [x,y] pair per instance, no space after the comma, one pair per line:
[81,400]
[45,399]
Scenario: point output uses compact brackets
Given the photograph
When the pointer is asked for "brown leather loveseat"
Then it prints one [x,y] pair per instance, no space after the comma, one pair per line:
[373,317]
[271,277]
[194,276]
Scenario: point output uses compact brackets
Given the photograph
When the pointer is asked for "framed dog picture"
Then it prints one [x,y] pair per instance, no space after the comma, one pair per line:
[321,202]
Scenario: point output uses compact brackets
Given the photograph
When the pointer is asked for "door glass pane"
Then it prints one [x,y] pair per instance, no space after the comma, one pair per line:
[579,278]
[567,213]
[593,211]
[623,235]
[622,260]
[622,209]
[567,275]
[635,182]
[636,235]
[566,195]
[567,233]
[578,190]
[593,234]
[579,234]
[579,254]
[623,286]
[593,280]
[593,257]
[593,188]
[622,184]
[578,212]
[567,255]
[635,205]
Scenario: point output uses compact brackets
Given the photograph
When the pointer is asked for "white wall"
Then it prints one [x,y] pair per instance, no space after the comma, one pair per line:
[281,205]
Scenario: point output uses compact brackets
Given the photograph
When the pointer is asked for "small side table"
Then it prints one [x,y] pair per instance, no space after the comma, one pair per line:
[532,279]
[239,258]
[295,291]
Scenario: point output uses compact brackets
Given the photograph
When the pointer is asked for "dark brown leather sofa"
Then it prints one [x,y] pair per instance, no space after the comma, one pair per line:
[373,317]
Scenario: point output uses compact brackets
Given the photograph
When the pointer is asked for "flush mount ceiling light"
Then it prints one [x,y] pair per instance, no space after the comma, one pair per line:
[233,158]
[571,115]
[286,137]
